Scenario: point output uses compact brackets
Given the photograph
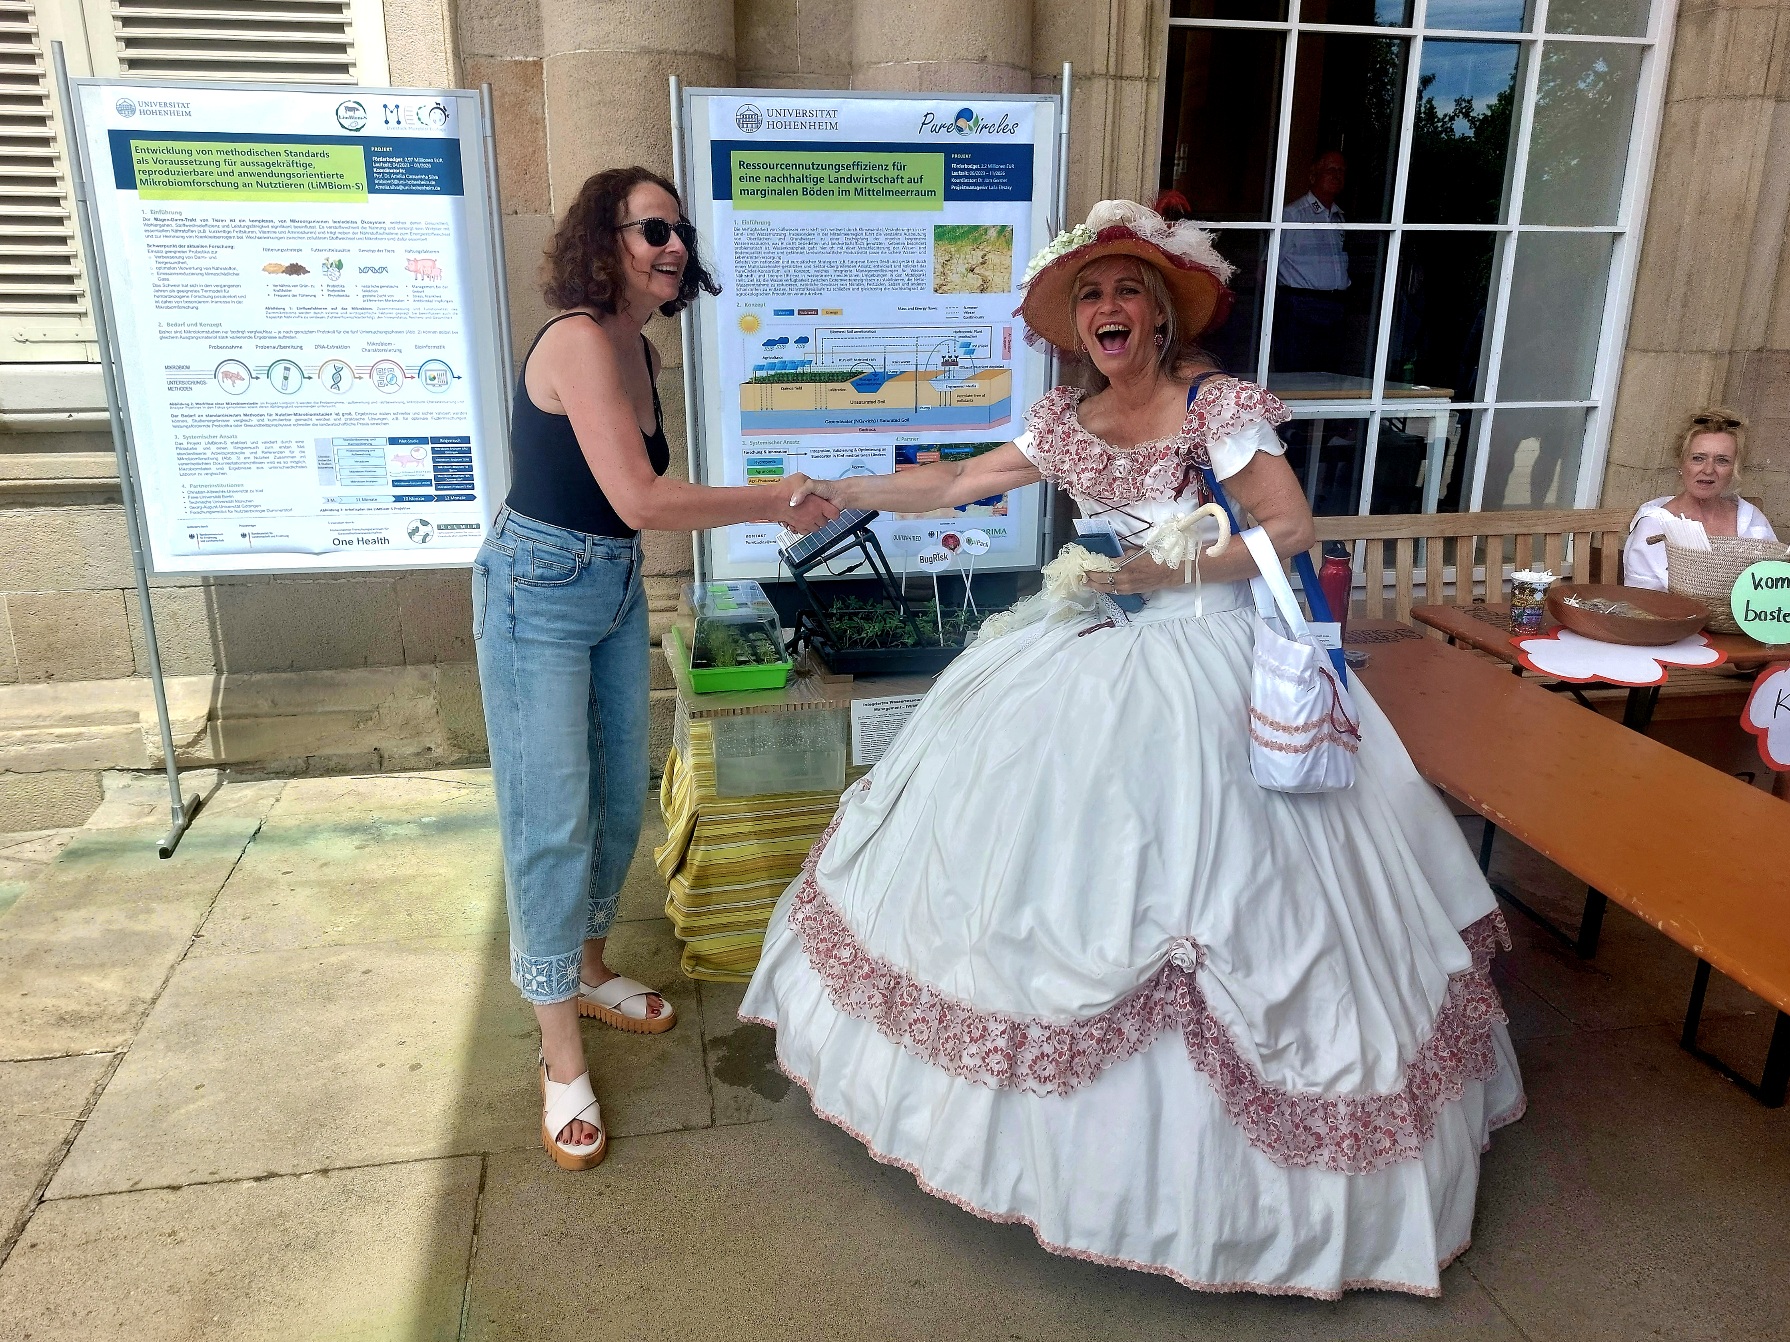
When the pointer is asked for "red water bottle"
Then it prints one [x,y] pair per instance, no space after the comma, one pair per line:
[1335,577]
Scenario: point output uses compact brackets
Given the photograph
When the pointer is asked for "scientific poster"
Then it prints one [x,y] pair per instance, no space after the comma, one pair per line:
[306,321]
[869,251]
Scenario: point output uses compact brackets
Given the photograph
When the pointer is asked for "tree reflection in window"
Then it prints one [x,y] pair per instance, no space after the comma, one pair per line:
[1461,134]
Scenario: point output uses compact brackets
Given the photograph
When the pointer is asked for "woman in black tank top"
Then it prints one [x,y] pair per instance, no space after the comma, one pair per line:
[559,618]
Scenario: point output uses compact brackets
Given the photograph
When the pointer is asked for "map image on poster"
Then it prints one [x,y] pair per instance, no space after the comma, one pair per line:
[869,251]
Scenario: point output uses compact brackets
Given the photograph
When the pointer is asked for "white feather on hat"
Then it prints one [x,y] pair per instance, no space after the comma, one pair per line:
[1183,238]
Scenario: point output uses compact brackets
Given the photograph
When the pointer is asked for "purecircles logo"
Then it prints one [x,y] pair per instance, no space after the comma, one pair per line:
[421,531]
[968,121]
[748,118]
[125,107]
[351,115]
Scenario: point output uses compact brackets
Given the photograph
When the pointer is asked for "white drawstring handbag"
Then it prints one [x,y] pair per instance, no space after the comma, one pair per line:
[1303,728]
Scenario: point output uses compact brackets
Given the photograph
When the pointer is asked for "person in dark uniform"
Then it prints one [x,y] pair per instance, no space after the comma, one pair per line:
[560,621]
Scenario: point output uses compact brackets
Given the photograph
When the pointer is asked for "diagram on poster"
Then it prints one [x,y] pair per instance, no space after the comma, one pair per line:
[305,319]
[869,251]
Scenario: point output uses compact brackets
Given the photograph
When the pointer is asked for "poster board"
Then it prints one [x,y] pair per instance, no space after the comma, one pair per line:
[304,314]
[869,249]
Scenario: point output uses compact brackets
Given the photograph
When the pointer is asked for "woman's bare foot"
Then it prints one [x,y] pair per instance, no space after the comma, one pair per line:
[563,1047]
[595,973]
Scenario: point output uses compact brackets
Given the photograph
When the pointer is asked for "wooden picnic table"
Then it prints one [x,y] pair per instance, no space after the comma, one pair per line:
[1699,855]
[1486,627]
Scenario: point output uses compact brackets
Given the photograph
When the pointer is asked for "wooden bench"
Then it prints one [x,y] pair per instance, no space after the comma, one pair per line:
[1578,544]
[1697,854]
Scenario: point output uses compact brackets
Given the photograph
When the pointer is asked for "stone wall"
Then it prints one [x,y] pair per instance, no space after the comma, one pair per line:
[1711,319]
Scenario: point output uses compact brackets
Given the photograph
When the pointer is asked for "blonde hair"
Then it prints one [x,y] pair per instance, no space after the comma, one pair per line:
[1715,420]
[1174,352]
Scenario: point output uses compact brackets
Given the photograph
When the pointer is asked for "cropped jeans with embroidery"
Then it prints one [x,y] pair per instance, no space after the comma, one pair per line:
[559,618]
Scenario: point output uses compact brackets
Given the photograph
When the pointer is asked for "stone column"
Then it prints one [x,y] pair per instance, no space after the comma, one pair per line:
[1711,316]
[925,45]
[1115,130]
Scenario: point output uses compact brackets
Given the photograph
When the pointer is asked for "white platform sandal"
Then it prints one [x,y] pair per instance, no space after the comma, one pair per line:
[621,1002]
[561,1105]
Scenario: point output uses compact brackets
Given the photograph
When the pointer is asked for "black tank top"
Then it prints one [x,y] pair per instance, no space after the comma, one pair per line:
[551,481]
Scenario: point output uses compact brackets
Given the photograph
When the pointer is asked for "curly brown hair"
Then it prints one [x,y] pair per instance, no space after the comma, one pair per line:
[583,262]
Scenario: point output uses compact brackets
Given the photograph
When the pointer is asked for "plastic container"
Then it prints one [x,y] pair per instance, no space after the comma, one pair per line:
[1528,598]
[754,753]
[735,641]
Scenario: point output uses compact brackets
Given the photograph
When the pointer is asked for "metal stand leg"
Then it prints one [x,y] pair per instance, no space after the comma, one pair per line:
[1770,1090]
[1485,846]
[1637,713]
[1591,921]
[180,812]
[1591,924]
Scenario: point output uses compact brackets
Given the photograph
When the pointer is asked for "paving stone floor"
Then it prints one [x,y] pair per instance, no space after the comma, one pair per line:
[279,1087]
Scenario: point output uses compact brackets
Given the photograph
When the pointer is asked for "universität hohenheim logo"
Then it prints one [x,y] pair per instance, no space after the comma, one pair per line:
[748,118]
[125,107]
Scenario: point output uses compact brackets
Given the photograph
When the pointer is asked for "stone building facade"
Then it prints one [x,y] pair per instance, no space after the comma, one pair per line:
[371,672]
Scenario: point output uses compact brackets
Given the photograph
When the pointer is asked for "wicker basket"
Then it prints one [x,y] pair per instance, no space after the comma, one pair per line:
[1709,575]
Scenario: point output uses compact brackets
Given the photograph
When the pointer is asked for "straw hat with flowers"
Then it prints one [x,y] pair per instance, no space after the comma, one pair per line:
[1193,272]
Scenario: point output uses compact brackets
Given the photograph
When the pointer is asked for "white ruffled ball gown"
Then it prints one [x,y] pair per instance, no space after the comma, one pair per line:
[1064,960]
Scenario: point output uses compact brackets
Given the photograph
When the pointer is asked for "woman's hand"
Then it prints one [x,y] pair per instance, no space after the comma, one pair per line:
[832,491]
[809,506]
[1139,574]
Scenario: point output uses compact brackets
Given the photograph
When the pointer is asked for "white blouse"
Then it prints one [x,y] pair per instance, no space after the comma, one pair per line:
[1644,565]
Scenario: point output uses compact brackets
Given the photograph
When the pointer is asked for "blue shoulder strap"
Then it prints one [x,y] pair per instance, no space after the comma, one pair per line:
[1308,576]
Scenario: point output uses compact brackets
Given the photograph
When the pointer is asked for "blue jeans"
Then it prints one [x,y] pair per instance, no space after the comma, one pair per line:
[559,618]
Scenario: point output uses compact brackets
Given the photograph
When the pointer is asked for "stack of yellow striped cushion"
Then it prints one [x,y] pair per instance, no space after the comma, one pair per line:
[727,859]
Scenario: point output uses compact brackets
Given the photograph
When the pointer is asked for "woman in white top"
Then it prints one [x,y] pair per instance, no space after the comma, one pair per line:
[1711,453]
[1063,959]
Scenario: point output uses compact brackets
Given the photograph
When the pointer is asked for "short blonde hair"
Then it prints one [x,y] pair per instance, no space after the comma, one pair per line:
[1715,420]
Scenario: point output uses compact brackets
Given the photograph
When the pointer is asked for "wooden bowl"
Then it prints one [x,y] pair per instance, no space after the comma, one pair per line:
[1676,616]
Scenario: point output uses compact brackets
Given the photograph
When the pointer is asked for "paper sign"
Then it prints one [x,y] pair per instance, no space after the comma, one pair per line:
[876,722]
[936,558]
[1761,601]
[1326,634]
[975,542]
[1767,715]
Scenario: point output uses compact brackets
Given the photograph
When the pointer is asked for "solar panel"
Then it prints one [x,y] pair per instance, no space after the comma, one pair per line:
[802,548]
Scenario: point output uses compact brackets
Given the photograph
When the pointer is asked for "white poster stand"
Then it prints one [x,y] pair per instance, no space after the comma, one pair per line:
[298,292]
[870,249]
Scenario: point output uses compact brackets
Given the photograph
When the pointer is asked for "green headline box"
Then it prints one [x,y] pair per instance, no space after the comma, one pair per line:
[227,170]
[772,180]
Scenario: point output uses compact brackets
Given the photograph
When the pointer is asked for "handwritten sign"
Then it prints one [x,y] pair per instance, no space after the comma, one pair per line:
[1767,715]
[1761,601]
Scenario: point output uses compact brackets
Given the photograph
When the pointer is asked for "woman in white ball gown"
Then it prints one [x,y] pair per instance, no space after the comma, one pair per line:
[1064,960]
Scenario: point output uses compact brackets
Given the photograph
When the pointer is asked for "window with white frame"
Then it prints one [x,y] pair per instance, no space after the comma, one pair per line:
[43,292]
[1432,205]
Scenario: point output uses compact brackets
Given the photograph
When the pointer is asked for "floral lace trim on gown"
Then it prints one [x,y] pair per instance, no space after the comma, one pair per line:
[1346,1134]
[1087,465]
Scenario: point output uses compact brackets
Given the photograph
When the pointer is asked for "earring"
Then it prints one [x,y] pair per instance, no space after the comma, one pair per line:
[1160,338]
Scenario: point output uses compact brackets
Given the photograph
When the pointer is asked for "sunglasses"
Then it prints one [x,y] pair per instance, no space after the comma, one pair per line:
[1714,422]
[657,232]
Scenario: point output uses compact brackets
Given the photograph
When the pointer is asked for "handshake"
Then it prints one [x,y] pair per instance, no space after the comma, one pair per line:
[808,507]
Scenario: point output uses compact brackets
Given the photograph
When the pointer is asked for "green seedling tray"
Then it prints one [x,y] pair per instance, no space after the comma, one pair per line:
[712,679]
